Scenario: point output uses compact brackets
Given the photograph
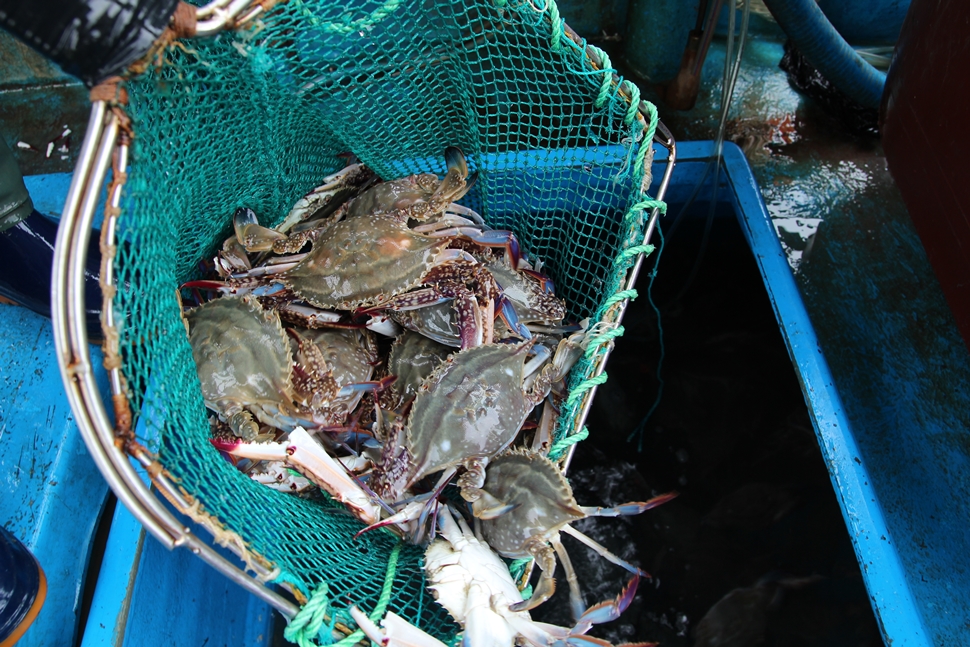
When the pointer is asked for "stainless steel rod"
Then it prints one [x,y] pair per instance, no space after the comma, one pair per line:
[671,146]
[69,319]
[74,357]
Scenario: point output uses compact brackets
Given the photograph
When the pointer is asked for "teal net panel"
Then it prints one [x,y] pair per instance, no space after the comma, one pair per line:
[258,117]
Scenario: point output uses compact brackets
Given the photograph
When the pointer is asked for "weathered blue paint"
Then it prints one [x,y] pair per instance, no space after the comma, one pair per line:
[904,375]
[887,381]
[143,586]
[51,493]
[110,606]
[148,595]
[178,599]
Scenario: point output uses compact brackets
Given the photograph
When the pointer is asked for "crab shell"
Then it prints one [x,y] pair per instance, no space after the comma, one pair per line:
[364,261]
[245,364]
[532,303]
[542,499]
[413,358]
[472,406]
[242,357]
[373,255]
[438,322]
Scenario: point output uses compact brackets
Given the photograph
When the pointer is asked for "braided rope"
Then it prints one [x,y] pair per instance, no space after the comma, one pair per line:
[379,14]
[622,295]
[583,387]
[560,447]
[308,622]
[557,27]
[607,337]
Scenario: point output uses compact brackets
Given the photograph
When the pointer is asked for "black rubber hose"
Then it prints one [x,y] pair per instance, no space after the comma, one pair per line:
[89,39]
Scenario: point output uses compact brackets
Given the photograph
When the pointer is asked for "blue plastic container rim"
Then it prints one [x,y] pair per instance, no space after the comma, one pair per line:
[893,603]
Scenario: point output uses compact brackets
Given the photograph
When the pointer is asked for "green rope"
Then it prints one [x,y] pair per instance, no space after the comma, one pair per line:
[646,144]
[309,620]
[630,252]
[285,577]
[557,28]
[377,16]
[643,205]
[558,448]
[583,387]
[596,341]
[631,112]
[620,296]
[606,66]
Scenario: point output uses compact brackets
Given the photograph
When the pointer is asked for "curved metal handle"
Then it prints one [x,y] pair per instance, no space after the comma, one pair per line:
[220,14]
[74,358]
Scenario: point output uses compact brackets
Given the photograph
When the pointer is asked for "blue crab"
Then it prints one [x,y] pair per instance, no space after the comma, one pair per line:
[523,505]
[372,258]
[469,580]
[467,411]
[247,366]
[412,359]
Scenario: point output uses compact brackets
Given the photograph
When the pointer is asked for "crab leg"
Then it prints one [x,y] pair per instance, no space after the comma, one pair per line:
[471,214]
[546,559]
[308,316]
[542,441]
[628,509]
[251,235]
[575,595]
[545,635]
[604,552]
[237,288]
[328,196]
[511,319]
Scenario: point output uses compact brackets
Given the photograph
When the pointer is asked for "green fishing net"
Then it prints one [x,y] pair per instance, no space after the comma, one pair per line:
[257,117]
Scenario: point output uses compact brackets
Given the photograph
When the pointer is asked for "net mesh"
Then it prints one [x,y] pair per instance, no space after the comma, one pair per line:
[258,117]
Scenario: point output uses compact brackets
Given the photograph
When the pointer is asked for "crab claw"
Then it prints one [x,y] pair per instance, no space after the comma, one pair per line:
[511,318]
[250,234]
[397,631]
[455,183]
[301,452]
[408,513]
[609,610]
[235,289]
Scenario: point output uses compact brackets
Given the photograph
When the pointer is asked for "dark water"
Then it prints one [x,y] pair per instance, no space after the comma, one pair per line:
[756,526]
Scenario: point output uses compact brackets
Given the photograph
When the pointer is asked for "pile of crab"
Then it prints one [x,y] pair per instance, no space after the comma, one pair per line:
[386,344]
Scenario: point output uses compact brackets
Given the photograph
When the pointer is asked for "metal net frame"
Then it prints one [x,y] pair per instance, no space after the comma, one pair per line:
[257,117]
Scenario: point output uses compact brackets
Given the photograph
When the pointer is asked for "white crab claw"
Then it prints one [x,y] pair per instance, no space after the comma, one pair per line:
[304,454]
[397,631]
[384,325]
